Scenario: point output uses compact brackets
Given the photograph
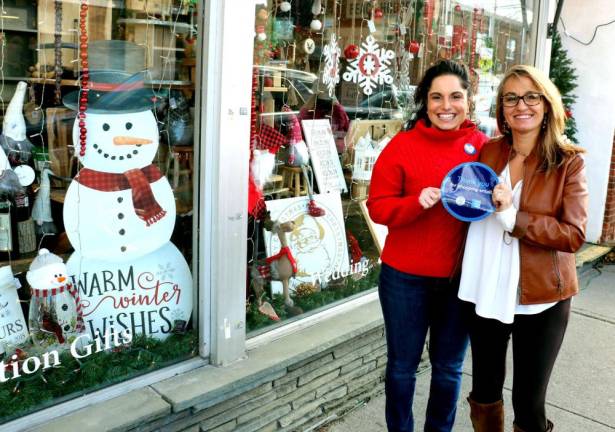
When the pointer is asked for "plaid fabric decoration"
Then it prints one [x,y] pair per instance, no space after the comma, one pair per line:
[264,271]
[138,180]
[74,294]
[270,139]
[260,209]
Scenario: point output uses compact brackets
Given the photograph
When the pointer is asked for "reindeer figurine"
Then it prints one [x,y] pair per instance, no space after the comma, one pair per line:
[279,267]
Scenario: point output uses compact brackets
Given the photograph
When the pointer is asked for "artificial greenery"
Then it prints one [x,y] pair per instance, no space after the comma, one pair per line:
[564,76]
[337,290]
[73,377]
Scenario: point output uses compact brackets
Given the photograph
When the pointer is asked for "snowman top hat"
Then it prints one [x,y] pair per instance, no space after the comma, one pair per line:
[117,74]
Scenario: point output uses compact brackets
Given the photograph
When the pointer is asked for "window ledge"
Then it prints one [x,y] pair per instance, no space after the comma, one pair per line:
[207,386]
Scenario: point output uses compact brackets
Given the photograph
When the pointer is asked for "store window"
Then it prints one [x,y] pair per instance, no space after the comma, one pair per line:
[97,179]
[333,81]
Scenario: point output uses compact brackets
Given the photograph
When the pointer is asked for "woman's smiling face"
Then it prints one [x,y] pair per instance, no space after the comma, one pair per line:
[523,118]
[447,103]
[116,143]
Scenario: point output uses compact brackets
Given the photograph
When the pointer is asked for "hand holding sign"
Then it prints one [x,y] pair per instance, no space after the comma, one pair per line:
[502,197]
[429,197]
[467,191]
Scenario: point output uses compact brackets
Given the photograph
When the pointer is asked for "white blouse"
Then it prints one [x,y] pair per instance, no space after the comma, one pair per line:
[490,272]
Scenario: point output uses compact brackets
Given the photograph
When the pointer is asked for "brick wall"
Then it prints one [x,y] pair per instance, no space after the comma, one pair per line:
[314,391]
[608,227]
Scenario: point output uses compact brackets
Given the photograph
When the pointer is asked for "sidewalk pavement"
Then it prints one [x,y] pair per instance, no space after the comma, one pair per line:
[581,395]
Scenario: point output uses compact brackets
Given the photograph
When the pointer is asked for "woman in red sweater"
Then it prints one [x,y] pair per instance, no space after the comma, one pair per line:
[418,283]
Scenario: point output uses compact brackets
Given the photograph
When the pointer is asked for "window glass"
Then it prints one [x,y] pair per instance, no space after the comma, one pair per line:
[96,192]
[333,81]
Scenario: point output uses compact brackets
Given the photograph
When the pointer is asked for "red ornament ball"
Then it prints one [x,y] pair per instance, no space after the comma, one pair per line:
[413,47]
[351,52]
[378,13]
[568,114]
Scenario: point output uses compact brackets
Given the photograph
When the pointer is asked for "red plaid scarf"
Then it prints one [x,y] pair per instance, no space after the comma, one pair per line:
[138,180]
[73,292]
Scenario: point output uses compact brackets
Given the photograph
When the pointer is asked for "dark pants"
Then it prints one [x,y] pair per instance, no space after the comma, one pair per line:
[536,341]
[411,305]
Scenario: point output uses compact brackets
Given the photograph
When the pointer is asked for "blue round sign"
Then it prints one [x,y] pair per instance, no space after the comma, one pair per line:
[466,191]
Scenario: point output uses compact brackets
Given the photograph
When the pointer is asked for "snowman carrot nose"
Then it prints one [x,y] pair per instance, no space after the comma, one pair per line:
[61,279]
[126,140]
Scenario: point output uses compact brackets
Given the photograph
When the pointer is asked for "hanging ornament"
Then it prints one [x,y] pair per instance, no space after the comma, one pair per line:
[403,80]
[414,47]
[317,7]
[371,67]
[309,46]
[262,14]
[351,52]
[316,25]
[331,73]
[285,6]
[260,33]
[378,13]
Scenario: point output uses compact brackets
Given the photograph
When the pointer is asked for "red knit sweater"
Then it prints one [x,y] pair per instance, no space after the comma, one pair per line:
[420,242]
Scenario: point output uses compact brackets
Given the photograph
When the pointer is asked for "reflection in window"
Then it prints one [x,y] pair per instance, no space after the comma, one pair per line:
[332,83]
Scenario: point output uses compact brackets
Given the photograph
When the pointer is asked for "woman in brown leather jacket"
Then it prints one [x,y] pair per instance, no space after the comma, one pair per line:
[519,271]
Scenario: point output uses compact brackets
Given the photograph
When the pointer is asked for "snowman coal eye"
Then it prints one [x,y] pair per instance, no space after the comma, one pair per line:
[106,127]
[128,125]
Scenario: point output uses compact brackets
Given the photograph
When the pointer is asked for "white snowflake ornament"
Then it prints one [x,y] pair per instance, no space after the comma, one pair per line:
[371,67]
[403,77]
[331,73]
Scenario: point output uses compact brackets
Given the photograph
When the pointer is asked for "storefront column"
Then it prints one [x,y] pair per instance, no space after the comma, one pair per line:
[225,95]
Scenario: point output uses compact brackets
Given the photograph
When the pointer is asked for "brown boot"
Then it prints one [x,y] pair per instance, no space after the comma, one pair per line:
[548,429]
[487,417]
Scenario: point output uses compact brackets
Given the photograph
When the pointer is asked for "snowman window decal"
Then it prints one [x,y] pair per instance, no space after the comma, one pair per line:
[119,211]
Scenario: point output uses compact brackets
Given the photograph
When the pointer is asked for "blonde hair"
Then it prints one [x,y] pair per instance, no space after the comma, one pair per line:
[553,146]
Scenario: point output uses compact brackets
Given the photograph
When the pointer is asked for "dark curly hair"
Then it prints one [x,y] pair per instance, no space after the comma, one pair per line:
[443,67]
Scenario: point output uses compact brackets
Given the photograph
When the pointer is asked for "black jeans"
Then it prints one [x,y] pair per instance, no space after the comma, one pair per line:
[536,341]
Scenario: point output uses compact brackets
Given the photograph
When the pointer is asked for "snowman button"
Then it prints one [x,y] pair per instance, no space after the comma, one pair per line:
[122,231]
[120,199]
[123,248]
[121,157]
[120,215]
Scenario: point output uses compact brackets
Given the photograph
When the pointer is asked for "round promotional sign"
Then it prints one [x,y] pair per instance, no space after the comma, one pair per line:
[466,191]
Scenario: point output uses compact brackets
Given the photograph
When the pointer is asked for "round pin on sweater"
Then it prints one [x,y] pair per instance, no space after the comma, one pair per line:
[466,191]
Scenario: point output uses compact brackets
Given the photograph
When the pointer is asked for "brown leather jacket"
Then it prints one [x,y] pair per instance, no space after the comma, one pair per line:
[550,223]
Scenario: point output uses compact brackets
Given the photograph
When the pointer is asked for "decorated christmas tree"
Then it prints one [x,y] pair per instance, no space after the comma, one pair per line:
[563,75]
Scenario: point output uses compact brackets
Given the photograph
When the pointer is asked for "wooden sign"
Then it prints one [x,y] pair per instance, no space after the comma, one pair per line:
[323,152]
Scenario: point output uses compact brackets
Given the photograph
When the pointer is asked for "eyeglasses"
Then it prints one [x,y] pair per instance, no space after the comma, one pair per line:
[530,99]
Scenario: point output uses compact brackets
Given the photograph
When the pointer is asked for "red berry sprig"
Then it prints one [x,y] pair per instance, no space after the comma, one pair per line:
[85,75]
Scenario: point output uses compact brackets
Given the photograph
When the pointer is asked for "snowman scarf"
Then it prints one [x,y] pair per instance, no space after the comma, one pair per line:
[138,180]
[75,295]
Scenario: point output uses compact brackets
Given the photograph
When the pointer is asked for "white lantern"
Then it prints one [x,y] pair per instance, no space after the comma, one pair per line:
[365,155]
[13,328]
